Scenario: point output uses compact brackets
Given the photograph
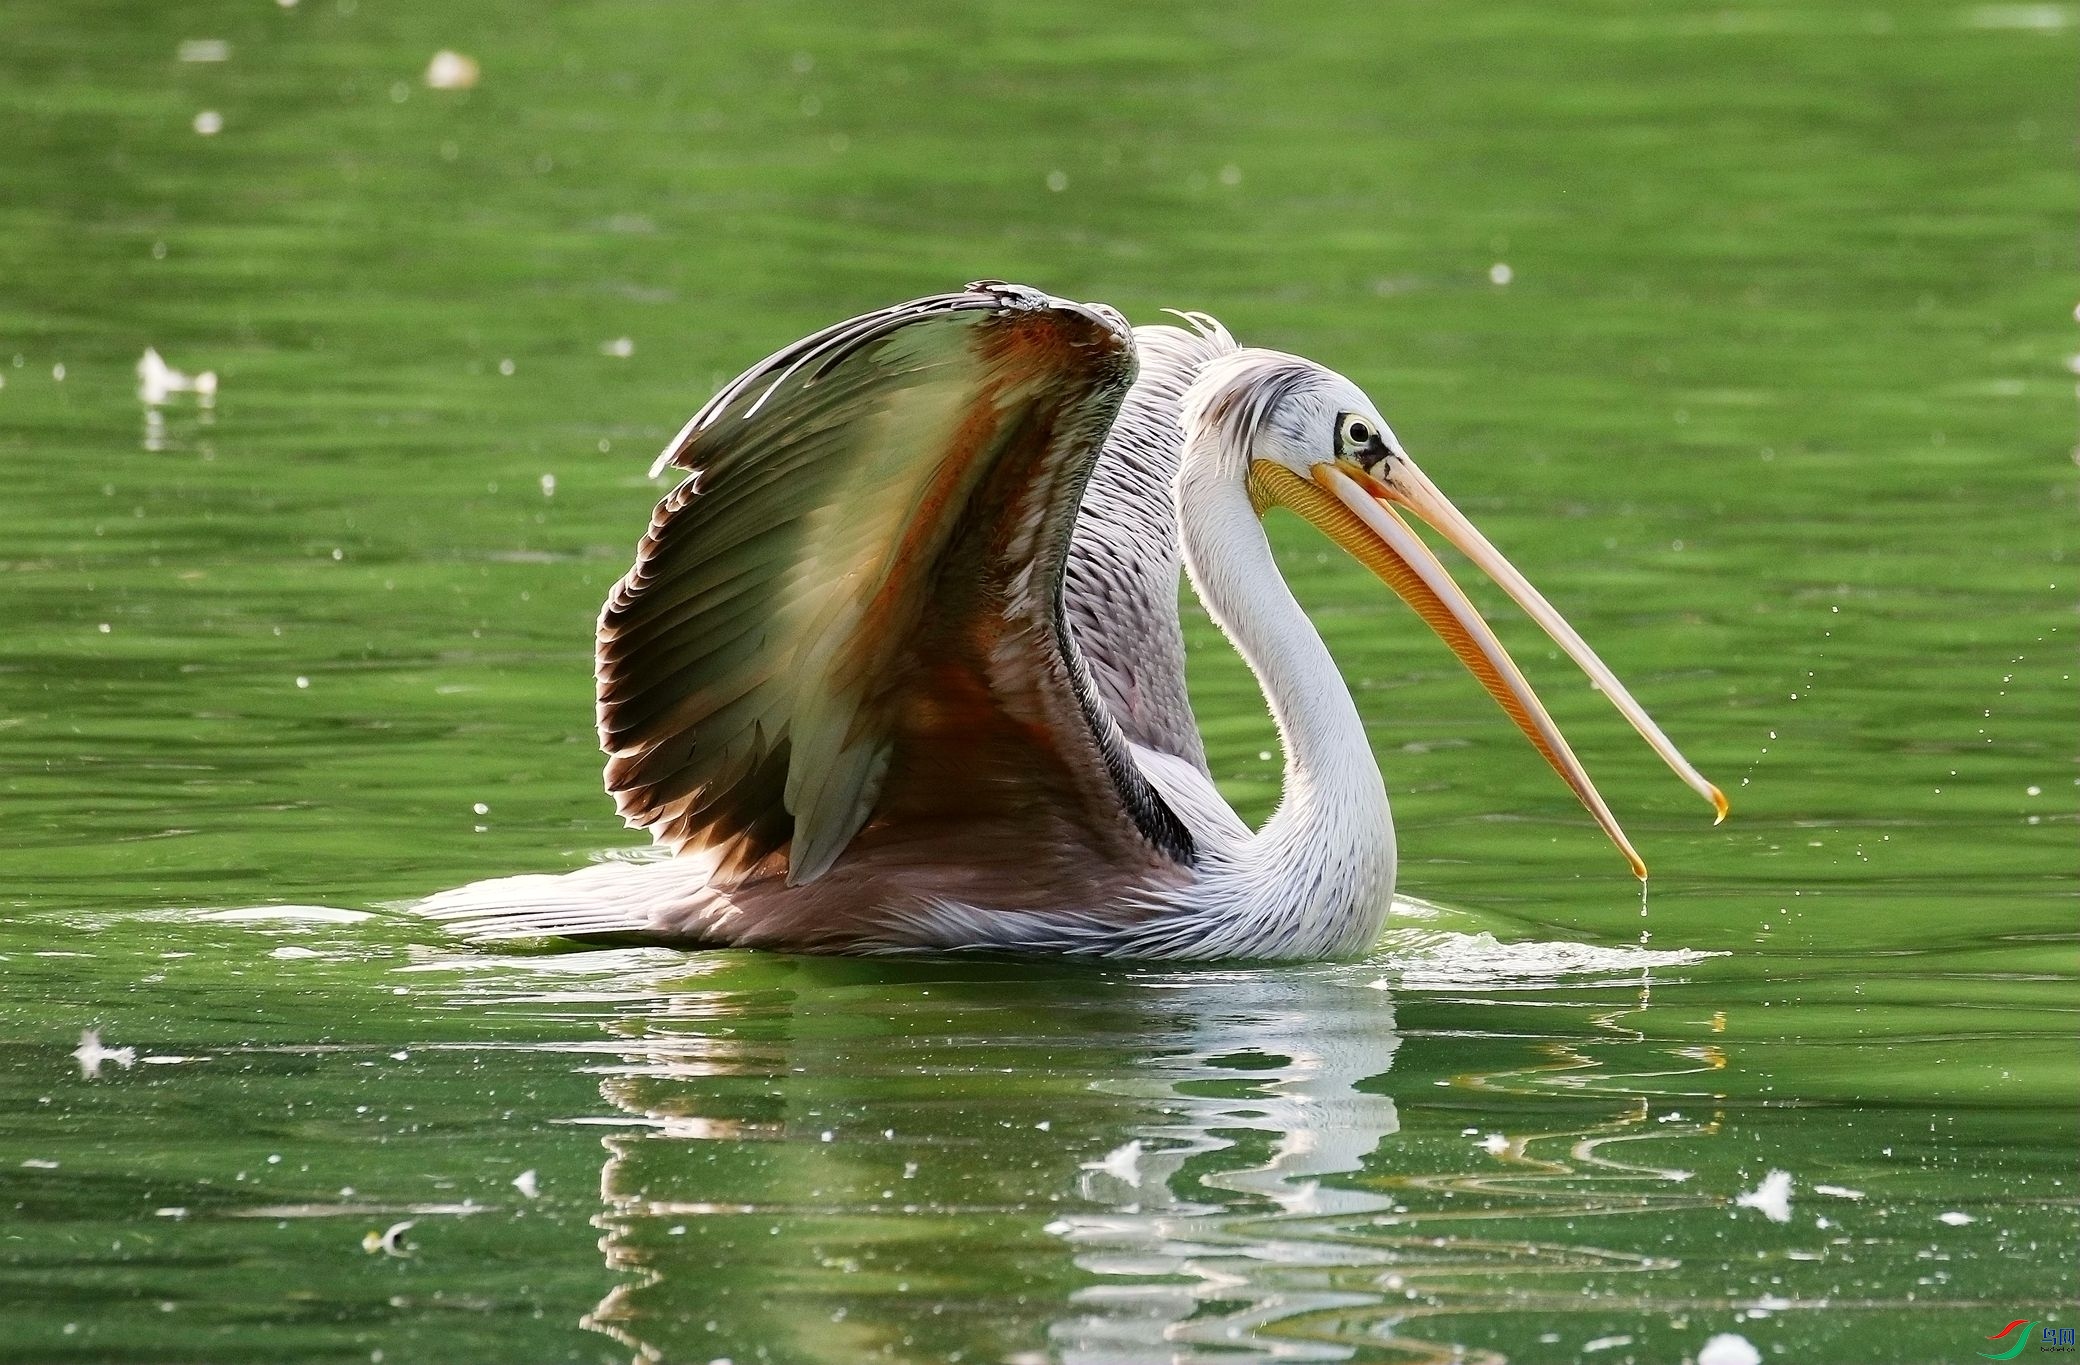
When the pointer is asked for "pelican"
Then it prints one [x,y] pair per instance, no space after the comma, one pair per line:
[898,666]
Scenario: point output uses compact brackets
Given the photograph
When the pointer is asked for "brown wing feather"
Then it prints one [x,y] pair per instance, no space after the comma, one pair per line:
[850,611]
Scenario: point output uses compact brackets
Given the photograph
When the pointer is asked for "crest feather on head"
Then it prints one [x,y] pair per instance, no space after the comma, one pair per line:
[1237,395]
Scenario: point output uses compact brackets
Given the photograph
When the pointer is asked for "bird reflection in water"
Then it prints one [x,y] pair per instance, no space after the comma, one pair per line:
[1078,1166]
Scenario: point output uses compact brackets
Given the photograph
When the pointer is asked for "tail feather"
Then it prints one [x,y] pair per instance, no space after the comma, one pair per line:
[618,899]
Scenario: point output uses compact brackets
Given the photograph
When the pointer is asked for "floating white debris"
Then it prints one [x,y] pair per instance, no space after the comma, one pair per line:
[37,1163]
[1496,1142]
[1729,1348]
[548,485]
[621,347]
[1838,1191]
[506,367]
[1122,1163]
[302,683]
[451,71]
[528,1185]
[90,1055]
[1605,1344]
[158,381]
[1500,273]
[204,50]
[480,808]
[209,123]
[390,1241]
[1955,1219]
[1772,1198]
[170,1212]
[290,950]
[1057,181]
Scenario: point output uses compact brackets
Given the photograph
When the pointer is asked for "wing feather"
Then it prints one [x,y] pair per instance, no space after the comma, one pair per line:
[861,575]
[1124,566]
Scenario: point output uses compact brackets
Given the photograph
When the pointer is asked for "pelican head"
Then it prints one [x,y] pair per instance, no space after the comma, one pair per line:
[1303,437]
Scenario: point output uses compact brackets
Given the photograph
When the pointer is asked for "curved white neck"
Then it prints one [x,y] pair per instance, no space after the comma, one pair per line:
[1327,852]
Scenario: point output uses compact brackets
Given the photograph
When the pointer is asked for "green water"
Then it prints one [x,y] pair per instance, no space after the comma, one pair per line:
[1775,404]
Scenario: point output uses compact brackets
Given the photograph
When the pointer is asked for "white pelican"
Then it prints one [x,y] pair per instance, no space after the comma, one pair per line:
[898,666]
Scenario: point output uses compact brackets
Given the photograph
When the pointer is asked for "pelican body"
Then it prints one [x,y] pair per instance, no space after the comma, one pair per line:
[898,667]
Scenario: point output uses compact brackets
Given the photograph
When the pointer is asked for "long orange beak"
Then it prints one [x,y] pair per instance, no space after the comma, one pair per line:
[1356,510]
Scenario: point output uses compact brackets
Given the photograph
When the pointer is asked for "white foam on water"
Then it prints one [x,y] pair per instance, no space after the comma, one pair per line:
[1430,959]
[296,914]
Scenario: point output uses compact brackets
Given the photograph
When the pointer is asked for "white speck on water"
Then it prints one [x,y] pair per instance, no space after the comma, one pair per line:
[302,682]
[91,1055]
[158,381]
[801,63]
[1057,181]
[209,123]
[390,1241]
[1495,1142]
[1500,273]
[2033,791]
[338,554]
[58,372]
[528,1185]
[172,1211]
[289,951]
[1231,175]
[1772,1198]
[36,1163]
[506,367]
[1955,1219]
[451,71]
[1122,1163]
[204,50]
[621,347]
[481,809]
[1729,1348]
[105,628]
[826,1136]
[1263,755]
[1838,1191]
[1605,1344]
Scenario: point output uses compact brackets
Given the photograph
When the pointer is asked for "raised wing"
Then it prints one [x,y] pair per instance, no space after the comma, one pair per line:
[853,603]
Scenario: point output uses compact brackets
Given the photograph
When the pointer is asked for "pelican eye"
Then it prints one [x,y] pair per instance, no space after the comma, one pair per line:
[1357,437]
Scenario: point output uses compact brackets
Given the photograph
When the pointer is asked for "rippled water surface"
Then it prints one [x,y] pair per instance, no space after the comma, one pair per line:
[1744,331]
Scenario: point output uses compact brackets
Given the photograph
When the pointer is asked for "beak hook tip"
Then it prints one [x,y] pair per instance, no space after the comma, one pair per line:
[1719,804]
